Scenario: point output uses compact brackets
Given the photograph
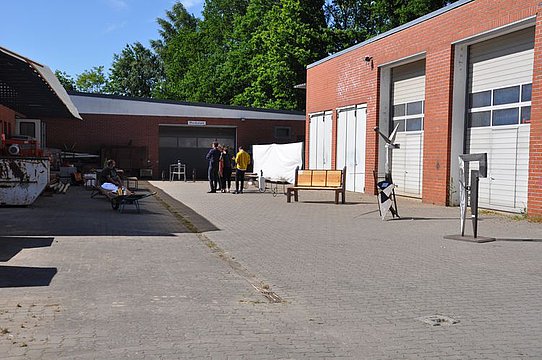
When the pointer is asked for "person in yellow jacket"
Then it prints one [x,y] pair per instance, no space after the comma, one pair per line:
[242,160]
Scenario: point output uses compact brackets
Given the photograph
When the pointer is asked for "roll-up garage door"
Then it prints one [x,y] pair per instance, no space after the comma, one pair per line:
[351,131]
[320,141]
[190,145]
[408,100]
[499,115]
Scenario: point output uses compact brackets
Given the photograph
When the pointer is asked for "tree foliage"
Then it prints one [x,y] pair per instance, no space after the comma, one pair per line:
[66,80]
[245,52]
[92,81]
[136,71]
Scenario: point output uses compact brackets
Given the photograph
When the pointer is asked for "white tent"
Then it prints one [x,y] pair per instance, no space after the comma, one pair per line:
[278,161]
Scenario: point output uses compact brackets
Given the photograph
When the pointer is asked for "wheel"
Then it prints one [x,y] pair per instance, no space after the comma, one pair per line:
[115,204]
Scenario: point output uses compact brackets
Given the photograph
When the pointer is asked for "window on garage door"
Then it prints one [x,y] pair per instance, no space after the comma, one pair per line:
[510,105]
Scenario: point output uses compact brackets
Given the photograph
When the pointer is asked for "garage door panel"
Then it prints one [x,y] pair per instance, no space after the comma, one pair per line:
[192,145]
[408,86]
[494,64]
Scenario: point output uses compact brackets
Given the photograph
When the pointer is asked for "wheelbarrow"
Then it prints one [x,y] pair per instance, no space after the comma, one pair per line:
[119,201]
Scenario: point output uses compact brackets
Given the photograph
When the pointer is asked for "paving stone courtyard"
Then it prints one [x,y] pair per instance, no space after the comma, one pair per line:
[249,276]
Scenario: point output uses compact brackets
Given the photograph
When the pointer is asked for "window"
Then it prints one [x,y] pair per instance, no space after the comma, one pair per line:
[27,128]
[168,141]
[507,95]
[505,117]
[479,119]
[408,116]
[184,142]
[497,107]
[282,132]
[415,108]
[480,99]
[526,115]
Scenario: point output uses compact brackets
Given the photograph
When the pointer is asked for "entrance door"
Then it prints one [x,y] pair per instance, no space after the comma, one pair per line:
[351,131]
[320,141]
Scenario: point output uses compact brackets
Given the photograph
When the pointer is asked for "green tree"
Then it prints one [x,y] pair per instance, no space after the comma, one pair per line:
[66,80]
[92,81]
[388,14]
[178,48]
[351,21]
[275,41]
[177,21]
[136,71]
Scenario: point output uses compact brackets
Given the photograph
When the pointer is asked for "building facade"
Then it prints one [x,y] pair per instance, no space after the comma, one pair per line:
[462,79]
[149,135]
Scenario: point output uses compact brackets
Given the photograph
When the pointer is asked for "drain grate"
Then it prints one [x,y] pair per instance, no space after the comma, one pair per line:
[438,320]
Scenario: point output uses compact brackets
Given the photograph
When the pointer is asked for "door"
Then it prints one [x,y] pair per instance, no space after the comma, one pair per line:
[408,104]
[498,116]
[320,141]
[351,131]
[190,145]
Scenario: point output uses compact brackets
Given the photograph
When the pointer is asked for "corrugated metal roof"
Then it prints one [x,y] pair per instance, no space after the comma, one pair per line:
[32,89]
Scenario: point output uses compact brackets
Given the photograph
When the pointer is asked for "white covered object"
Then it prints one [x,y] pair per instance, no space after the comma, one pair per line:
[278,161]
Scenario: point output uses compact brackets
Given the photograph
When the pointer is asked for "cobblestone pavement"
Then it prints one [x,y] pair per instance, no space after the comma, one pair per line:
[262,280]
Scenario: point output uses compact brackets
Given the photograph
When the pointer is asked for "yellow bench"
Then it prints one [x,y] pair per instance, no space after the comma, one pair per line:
[333,180]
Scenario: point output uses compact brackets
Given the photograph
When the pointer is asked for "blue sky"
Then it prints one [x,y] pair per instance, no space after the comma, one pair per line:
[75,35]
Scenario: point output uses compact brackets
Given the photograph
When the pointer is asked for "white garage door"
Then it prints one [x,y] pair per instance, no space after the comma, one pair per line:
[320,141]
[351,129]
[408,100]
[499,116]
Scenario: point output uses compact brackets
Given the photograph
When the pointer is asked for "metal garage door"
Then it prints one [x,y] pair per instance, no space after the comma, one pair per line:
[320,141]
[408,100]
[351,128]
[190,145]
[499,115]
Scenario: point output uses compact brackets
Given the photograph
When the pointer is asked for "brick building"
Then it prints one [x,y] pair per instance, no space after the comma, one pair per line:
[145,136]
[462,79]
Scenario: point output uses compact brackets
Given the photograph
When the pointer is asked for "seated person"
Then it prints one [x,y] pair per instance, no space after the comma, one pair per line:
[109,179]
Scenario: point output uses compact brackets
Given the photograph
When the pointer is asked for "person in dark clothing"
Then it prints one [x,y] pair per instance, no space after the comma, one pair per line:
[109,174]
[213,156]
[225,159]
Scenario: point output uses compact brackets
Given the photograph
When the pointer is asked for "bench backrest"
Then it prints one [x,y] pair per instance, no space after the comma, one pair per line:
[320,178]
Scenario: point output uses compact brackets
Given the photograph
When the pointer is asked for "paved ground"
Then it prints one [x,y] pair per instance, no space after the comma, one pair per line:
[262,279]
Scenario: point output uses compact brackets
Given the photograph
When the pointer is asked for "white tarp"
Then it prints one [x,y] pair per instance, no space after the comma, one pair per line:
[278,161]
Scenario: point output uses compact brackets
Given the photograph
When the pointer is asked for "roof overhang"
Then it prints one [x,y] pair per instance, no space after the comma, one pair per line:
[32,89]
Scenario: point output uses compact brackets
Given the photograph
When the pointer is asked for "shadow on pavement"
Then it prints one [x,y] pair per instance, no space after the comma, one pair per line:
[195,221]
[76,214]
[21,276]
[11,246]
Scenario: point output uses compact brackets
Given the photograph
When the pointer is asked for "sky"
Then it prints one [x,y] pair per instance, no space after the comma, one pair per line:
[76,35]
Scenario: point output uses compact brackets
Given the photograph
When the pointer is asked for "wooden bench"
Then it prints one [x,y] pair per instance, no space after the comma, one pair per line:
[333,180]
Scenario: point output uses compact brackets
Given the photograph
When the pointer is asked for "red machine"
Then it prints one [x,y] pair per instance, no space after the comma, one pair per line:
[20,145]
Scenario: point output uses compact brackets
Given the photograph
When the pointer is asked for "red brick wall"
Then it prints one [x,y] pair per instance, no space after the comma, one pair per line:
[349,80]
[534,200]
[97,131]
[7,116]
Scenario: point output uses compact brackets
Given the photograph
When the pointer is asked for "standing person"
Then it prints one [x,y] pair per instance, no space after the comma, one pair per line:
[225,158]
[242,160]
[213,157]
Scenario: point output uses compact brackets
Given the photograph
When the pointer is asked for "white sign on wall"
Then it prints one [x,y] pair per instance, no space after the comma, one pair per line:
[197,123]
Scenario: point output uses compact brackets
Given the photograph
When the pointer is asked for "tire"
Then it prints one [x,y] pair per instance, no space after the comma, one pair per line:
[115,204]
